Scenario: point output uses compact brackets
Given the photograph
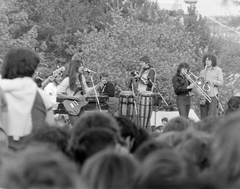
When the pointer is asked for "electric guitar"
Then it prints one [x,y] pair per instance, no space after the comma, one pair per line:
[73,107]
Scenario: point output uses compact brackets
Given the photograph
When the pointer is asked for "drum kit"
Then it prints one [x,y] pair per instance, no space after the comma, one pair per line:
[138,108]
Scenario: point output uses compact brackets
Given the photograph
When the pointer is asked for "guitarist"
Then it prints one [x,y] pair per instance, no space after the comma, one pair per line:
[74,87]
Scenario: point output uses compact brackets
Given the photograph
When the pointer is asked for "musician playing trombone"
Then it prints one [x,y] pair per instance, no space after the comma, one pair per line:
[213,78]
[182,88]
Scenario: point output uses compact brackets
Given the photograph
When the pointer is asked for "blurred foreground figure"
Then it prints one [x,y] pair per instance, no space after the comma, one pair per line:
[40,167]
[28,105]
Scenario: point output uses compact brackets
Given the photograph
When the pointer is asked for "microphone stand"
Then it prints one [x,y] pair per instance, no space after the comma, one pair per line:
[95,92]
[159,92]
[219,103]
[134,102]
[161,97]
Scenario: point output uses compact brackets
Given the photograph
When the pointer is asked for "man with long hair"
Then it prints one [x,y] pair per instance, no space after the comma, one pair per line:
[213,78]
[182,87]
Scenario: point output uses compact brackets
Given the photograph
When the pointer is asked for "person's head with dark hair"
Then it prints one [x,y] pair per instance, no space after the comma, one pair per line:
[225,152]
[149,147]
[143,136]
[104,74]
[164,121]
[233,105]
[95,119]
[181,66]
[145,59]
[90,142]
[52,135]
[129,131]
[164,164]
[171,138]
[145,63]
[177,124]
[193,147]
[211,57]
[206,124]
[73,69]
[19,62]
[39,167]
[104,78]
[110,170]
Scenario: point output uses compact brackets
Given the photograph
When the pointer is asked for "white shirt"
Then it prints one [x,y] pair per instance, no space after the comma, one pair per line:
[64,87]
[51,90]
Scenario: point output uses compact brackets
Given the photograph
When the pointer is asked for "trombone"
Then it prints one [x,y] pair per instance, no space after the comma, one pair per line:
[198,81]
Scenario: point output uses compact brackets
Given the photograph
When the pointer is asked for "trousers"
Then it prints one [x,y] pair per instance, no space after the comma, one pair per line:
[209,109]
[183,104]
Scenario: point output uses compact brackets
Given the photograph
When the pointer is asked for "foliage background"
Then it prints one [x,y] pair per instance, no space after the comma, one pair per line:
[111,35]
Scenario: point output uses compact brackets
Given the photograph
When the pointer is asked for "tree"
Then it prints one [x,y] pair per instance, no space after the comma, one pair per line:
[118,49]
[10,20]
[196,26]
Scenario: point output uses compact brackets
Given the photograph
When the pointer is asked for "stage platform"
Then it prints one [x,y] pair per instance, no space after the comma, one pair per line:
[156,118]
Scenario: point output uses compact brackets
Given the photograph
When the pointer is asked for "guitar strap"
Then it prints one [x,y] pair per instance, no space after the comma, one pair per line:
[81,87]
[81,83]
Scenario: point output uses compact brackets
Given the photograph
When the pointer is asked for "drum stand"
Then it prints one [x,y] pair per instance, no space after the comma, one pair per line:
[95,92]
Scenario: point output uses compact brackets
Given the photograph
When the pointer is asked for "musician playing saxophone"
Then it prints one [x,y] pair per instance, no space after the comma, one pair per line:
[213,78]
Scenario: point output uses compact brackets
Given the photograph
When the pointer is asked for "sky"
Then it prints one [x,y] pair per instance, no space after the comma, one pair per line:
[204,7]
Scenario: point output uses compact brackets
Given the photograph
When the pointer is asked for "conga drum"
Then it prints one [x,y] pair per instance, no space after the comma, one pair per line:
[126,104]
[144,110]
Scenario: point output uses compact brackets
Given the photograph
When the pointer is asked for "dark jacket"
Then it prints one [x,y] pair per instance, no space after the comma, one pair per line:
[108,89]
[180,85]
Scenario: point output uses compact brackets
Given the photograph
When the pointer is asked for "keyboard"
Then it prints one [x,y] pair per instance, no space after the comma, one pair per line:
[101,99]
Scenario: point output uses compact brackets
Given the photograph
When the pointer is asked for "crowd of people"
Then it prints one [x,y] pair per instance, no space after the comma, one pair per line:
[103,150]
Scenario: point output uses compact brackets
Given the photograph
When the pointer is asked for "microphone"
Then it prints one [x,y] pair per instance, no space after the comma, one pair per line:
[89,71]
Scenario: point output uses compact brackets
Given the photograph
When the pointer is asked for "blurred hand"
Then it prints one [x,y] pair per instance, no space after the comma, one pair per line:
[51,78]
[190,86]
[187,77]
[209,81]
[101,84]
